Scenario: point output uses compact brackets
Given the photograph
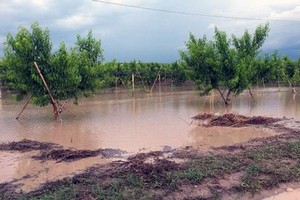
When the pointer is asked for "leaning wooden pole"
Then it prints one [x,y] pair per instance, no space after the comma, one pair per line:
[55,110]
[158,75]
[132,81]
[24,108]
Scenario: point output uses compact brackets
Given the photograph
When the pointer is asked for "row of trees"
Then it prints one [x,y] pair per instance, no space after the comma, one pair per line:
[275,69]
[226,64]
[145,75]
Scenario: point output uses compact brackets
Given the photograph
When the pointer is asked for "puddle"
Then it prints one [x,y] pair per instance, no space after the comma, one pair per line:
[9,164]
[30,174]
[290,194]
[203,137]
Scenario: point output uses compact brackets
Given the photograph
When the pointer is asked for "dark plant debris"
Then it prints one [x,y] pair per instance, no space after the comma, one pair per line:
[51,151]
[68,155]
[230,119]
[27,145]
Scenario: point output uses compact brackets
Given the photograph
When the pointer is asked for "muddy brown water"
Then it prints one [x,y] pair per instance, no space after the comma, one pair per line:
[157,121]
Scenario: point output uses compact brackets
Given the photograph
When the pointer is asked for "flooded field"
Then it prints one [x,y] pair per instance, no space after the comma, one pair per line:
[146,122]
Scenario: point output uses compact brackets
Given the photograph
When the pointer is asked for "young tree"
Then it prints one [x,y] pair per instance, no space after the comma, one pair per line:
[290,70]
[223,64]
[276,62]
[66,73]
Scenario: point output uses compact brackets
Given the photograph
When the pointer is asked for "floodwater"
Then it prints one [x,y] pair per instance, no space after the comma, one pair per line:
[148,121]
[290,194]
[117,120]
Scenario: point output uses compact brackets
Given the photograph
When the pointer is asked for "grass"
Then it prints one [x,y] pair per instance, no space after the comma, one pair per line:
[263,167]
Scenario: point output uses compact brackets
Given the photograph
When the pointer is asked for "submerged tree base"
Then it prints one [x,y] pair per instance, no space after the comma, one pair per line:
[239,171]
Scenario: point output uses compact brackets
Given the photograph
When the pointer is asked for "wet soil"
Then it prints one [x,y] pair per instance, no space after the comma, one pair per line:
[241,171]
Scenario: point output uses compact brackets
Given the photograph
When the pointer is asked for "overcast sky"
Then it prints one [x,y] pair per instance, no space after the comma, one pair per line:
[128,33]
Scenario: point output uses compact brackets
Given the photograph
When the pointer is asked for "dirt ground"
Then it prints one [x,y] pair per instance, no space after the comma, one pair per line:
[256,169]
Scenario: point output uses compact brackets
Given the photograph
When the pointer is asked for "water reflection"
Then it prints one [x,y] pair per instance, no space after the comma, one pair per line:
[269,102]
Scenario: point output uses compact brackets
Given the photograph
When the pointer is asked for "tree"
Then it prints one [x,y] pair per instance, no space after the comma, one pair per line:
[224,64]
[68,73]
[290,70]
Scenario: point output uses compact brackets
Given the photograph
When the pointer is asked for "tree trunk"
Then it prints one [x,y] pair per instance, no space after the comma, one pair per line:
[227,99]
[249,89]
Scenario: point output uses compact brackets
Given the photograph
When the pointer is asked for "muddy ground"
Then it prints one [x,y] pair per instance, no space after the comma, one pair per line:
[241,171]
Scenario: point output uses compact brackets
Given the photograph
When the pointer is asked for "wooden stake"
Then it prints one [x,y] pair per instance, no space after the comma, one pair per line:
[158,75]
[132,80]
[24,108]
[55,110]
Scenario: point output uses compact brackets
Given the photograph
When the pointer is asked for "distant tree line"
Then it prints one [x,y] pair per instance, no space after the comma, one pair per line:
[226,64]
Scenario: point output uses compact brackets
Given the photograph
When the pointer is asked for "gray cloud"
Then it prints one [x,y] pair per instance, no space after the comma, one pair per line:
[128,33]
